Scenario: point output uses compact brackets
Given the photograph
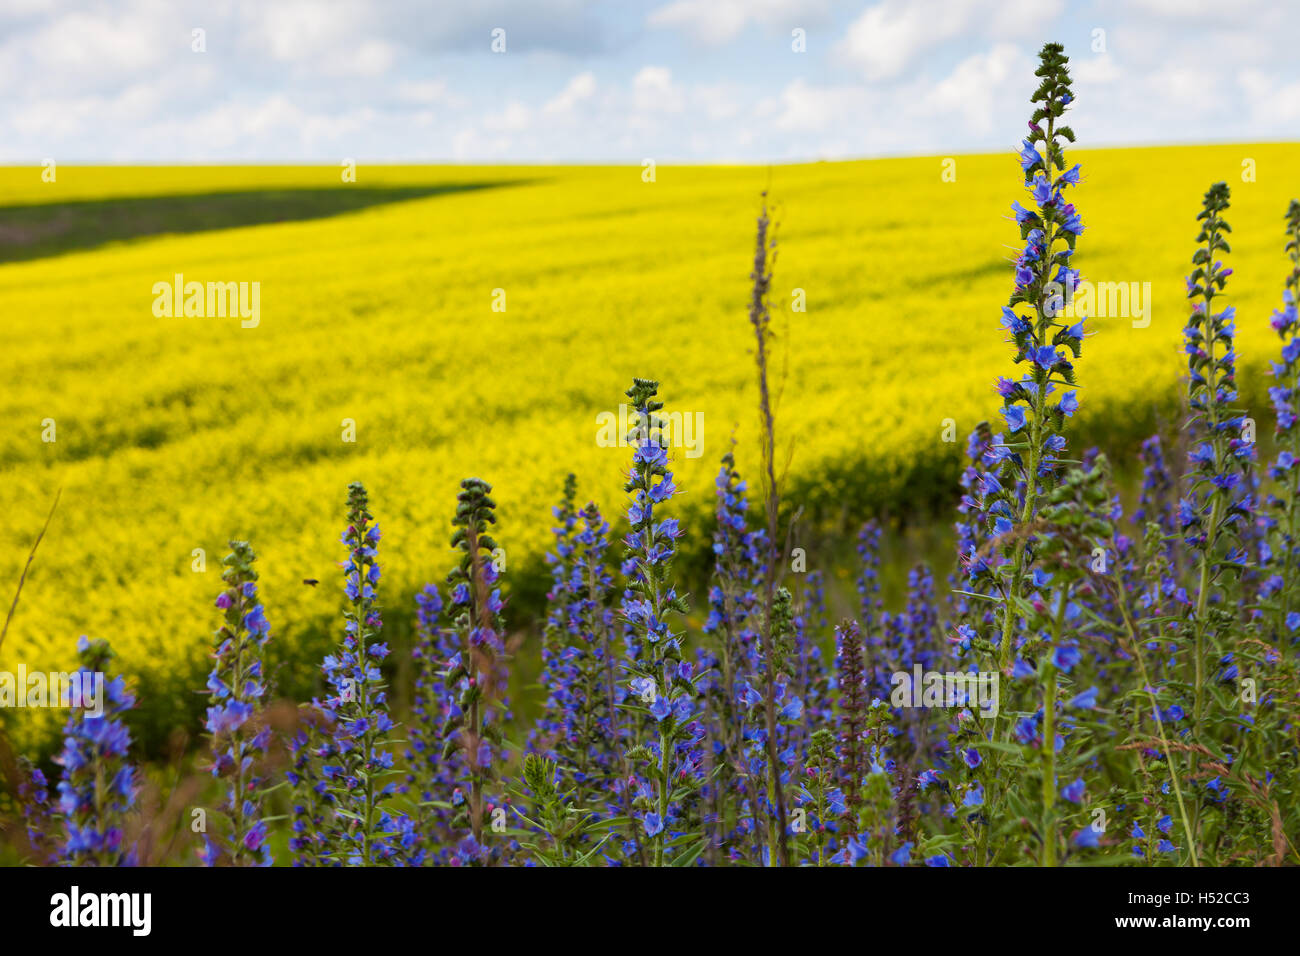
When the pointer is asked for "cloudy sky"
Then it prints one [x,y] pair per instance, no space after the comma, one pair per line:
[621,80]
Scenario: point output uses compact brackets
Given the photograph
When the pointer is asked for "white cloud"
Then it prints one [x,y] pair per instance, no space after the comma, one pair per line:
[471,145]
[1094,69]
[320,79]
[919,116]
[428,92]
[884,40]
[715,22]
[514,118]
[1183,10]
[79,51]
[1022,19]
[977,86]
[653,91]
[720,101]
[805,108]
[1184,88]
[578,89]
[889,38]
[1273,105]
[711,21]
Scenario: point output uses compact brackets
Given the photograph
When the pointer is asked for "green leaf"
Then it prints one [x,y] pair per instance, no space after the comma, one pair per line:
[1000,745]
[690,856]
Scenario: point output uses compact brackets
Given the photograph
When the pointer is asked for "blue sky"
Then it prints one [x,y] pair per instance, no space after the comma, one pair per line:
[673,80]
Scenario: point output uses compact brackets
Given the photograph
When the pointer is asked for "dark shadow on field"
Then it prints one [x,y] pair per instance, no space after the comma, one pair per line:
[37,231]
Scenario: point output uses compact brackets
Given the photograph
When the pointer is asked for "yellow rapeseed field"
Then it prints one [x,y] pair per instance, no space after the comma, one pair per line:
[175,434]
